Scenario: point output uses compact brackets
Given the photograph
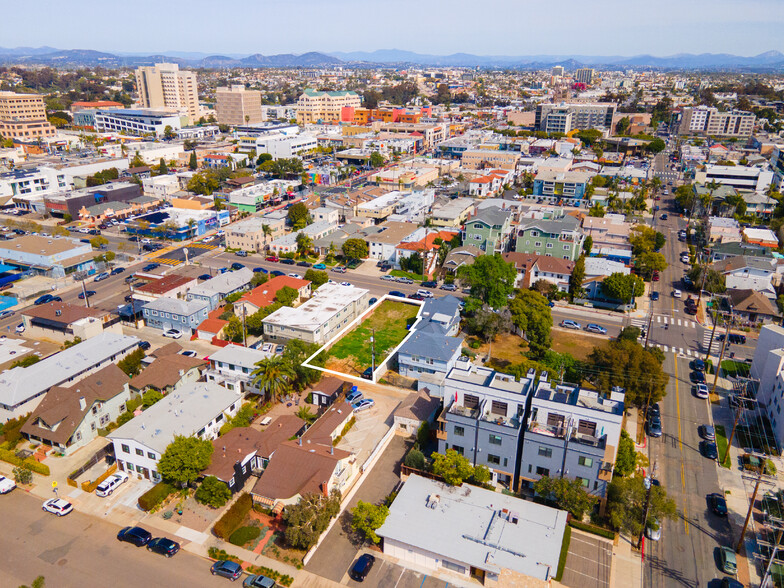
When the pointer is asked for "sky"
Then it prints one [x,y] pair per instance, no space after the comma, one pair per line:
[441,27]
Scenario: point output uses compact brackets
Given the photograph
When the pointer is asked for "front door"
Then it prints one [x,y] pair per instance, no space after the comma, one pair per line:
[478,574]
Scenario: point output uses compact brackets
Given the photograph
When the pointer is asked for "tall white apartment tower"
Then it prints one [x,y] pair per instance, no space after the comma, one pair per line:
[165,86]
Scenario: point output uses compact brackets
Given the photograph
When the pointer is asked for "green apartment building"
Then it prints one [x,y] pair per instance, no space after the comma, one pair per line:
[558,237]
[489,230]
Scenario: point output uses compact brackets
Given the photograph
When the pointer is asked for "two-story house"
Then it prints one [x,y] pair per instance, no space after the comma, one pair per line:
[558,237]
[489,230]
[574,433]
[232,366]
[214,290]
[744,272]
[561,185]
[170,313]
[483,417]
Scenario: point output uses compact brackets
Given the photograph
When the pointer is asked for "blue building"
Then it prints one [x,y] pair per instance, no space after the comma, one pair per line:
[557,185]
[214,290]
[178,224]
[169,313]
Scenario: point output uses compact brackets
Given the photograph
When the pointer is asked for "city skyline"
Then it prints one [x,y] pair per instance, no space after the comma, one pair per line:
[273,27]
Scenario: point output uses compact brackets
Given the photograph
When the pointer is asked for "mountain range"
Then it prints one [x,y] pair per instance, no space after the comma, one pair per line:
[770,60]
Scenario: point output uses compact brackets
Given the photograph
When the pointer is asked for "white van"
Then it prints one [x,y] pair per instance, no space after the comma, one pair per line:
[108,486]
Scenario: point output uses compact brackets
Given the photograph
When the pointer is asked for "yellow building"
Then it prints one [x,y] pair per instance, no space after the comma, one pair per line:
[321,107]
[23,116]
[165,86]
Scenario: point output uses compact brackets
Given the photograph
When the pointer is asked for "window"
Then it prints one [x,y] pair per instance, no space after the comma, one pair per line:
[453,566]
[493,459]
[585,461]
[586,428]
[545,452]
[78,435]
[542,471]
[125,448]
[458,449]
[538,244]
[104,419]
[470,401]
[459,431]
[495,439]
[140,452]
[95,409]
[555,420]
[583,481]
[151,455]
[498,407]
[549,245]
[92,426]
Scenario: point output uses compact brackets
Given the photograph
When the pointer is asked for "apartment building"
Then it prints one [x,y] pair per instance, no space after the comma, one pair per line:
[559,237]
[233,366]
[318,107]
[489,230]
[165,86]
[250,234]
[234,105]
[23,117]
[585,76]
[563,118]
[489,159]
[483,418]
[707,120]
[136,122]
[574,433]
[745,178]
[568,185]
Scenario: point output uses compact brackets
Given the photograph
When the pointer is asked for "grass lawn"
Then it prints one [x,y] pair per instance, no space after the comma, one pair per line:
[353,352]
[721,444]
[735,368]
[580,346]
[409,275]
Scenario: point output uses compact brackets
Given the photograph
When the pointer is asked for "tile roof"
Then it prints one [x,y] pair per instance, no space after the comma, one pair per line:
[264,295]
[165,284]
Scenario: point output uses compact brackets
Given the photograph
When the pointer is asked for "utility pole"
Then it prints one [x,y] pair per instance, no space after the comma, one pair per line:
[244,330]
[723,349]
[648,487]
[373,351]
[734,426]
[751,506]
[84,293]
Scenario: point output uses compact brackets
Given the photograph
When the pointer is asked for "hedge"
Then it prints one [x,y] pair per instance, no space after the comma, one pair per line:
[283,579]
[9,456]
[593,529]
[244,535]
[233,517]
[90,486]
[217,554]
[567,539]
[155,496]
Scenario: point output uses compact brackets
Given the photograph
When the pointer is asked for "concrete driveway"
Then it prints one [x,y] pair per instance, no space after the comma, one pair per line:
[337,551]
[588,562]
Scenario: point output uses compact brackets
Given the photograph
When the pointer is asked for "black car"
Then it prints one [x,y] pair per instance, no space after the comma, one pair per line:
[129,279]
[163,546]
[397,293]
[149,267]
[237,266]
[46,298]
[698,365]
[135,535]
[708,449]
[698,377]
[86,294]
[654,411]
[717,504]
[304,264]
[117,270]
[362,567]
[144,345]
[287,261]
[277,273]
[431,284]
[205,277]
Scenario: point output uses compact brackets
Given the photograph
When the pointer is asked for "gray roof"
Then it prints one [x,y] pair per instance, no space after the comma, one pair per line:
[432,345]
[564,223]
[739,248]
[492,215]
[466,525]
[20,384]
[448,306]
[175,306]
[184,411]
[239,356]
[223,284]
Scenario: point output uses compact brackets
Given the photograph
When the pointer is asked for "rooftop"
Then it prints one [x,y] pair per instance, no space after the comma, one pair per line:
[223,284]
[238,355]
[328,300]
[175,306]
[165,284]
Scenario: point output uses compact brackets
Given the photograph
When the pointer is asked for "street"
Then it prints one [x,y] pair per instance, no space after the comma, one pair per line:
[79,550]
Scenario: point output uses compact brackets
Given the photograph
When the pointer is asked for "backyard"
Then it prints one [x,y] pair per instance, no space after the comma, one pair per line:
[389,324]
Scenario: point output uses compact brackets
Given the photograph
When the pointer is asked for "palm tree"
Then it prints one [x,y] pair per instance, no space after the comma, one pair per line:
[273,377]
[267,232]
[304,244]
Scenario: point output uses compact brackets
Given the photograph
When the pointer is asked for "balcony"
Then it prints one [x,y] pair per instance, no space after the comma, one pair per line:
[547,430]
[588,440]
[470,413]
[606,472]
[441,434]
[513,422]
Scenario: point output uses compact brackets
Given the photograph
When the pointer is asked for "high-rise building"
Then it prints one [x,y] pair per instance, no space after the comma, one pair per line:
[317,107]
[705,120]
[165,86]
[562,118]
[23,116]
[557,71]
[585,76]
[235,105]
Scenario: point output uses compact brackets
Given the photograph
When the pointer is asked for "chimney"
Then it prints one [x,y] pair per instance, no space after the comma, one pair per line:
[82,403]
[300,441]
[332,450]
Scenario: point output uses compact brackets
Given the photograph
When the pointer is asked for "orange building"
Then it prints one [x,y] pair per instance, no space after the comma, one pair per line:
[363,116]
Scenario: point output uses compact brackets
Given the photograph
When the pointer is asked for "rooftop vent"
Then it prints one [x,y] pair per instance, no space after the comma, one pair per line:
[58,312]
[433,501]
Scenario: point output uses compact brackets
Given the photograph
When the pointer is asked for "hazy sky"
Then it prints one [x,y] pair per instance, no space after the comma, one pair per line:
[484,27]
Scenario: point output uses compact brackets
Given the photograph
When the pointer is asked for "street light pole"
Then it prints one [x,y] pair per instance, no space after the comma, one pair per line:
[373,351]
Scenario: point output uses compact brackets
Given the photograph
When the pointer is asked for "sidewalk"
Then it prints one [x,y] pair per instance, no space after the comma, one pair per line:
[627,566]
[583,310]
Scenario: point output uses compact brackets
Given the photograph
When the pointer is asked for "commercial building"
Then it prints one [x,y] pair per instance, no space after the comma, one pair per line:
[574,433]
[136,122]
[481,535]
[563,118]
[234,105]
[749,179]
[483,419]
[332,307]
[165,86]
[23,117]
[710,121]
[319,107]
[489,159]
[52,256]
[73,202]
[198,409]
[585,76]
[284,146]
[22,389]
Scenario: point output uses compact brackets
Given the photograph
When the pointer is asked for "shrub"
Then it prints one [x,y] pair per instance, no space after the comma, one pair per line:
[233,517]
[155,496]
[12,430]
[606,533]
[215,553]
[415,459]
[309,398]
[124,418]
[423,434]
[9,456]
[244,535]
[213,492]
[23,475]
[272,574]
[564,552]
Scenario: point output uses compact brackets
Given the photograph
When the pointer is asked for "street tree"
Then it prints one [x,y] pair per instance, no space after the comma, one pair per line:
[629,365]
[531,314]
[626,458]
[355,248]
[491,279]
[576,279]
[626,498]
[367,518]
[623,287]
[309,518]
[650,262]
[184,459]
[645,239]
[568,494]
[708,279]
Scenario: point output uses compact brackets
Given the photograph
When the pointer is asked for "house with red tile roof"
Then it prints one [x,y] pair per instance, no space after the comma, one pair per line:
[264,295]
[426,247]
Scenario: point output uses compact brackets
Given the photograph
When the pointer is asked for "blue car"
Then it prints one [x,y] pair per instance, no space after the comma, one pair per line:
[259,270]
[227,569]
[149,267]
[397,293]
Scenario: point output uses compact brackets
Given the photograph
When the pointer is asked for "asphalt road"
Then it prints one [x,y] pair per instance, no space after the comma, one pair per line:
[79,551]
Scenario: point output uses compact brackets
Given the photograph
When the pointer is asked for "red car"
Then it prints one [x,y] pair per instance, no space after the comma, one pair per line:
[655,276]
[272,258]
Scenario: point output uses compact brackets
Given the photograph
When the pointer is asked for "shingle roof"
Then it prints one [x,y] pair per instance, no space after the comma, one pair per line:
[431,345]
[62,312]
[564,223]
[224,284]
[419,406]
[752,302]
[492,215]
[178,307]
[165,371]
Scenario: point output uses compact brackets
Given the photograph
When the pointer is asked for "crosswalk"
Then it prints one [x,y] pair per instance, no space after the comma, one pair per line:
[168,261]
[685,352]
[715,347]
[664,320]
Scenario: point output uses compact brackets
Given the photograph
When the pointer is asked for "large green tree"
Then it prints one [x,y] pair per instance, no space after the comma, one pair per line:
[273,377]
[213,492]
[491,279]
[568,494]
[626,457]
[309,518]
[317,278]
[367,518]
[645,239]
[294,355]
[531,314]
[452,466]
[626,504]
[376,159]
[629,365]
[299,216]
[650,261]
[577,277]
[487,323]
[623,287]
[714,280]
[304,244]
[184,459]
[355,248]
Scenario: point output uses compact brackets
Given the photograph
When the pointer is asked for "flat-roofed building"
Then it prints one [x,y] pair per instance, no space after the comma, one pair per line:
[51,256]
[137,121]
[563,118]
[234,105]
[489,158]
[710,121]
[317,107]
[60,321]
[249,234]
[164,85]
[23,117]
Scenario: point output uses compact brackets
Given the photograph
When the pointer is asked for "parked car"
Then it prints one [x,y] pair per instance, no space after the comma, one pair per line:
[189,353]
[654,427]
[164,546]
[404,280]
[236,266]
[676,293]
[654,411]
[570,324]
[430,284]
[389,278]
[172,333]
[20,328]
[303,263]
[416,297]
[654,296]
[448,287]
[397,293]
[698,377]
[717,504]
[259,270]
[594,328]
[86,294]
[372,301]
[287,261]
[364,404]
[258,581]
[108,486]
[279,349]
[228,569]
[361,568]
[45,299]
[145,345]
[708,449]
[730,583]
[354,396]
[277,273]
[727,561]
[698,365]
[707,432]
[150,266]
[320,266]
[653,530]
[425,293]
[241,253]
[205,277]
[655,277]
[117,270]
[6,485]
[102,276]
[273,258]
[135,535]
[701,391]
[6,314]
[58,506]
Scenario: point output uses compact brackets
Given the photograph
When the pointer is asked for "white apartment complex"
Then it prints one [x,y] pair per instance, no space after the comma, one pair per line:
[704,120]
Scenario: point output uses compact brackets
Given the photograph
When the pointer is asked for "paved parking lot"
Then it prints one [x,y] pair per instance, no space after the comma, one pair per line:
[588,562]
[388,575]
